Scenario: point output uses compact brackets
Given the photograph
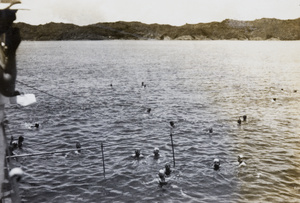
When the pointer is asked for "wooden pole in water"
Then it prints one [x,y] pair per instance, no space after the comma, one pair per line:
[173,149]
[103,159]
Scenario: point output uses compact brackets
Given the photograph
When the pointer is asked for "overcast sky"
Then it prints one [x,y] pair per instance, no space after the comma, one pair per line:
[173,12]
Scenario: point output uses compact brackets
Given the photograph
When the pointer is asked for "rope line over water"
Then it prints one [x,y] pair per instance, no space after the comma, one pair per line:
[64,100]
[46,153]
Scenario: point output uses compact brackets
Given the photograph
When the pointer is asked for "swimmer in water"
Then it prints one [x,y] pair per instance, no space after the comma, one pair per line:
[172,127]
[244,118]
[13,143]
[216,164]
[36,125]
[78,147]
[241,160]
[148,110]
[20,142]
[239,121]
[16,144]
[167,169]
[137,154]
[162,179]
[210,130]
[156,153]
[77,152]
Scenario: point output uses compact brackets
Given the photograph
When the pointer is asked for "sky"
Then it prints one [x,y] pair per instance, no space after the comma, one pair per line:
[173,12]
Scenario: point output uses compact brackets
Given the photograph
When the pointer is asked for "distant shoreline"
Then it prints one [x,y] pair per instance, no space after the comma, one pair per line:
[257,30]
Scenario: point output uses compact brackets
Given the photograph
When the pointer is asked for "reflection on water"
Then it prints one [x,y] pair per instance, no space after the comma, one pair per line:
[197,84]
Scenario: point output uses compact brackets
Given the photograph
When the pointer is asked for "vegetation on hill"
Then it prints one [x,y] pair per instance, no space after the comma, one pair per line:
[262,29]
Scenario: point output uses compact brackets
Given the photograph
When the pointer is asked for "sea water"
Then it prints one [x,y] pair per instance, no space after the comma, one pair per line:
[91,92]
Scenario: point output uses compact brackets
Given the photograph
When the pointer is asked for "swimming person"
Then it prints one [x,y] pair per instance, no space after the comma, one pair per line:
[172,127]
[13,143]
[244,118]
[75,153]
[78,147]
[216,164]
[36,125]
[241,160]
[239,121]
[167,169]
[156,153]
[210,130]
[162,179]
[148,110]
[16,144]
[137,154]
[20,142]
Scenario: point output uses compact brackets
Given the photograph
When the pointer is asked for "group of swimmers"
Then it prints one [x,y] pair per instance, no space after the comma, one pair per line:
[18,144]
[241,162]
[167,170]
[163,173]
[15,144]
[240,120]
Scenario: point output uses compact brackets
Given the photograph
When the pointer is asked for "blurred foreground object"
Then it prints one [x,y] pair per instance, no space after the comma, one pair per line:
[9,42]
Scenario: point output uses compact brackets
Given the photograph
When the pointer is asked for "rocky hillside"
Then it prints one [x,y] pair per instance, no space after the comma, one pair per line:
[262,29]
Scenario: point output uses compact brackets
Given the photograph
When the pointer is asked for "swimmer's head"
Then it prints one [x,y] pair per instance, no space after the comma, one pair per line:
[210,130]
[13,143]
[216,164]
[37,125]
[20,141]
[78,147]
[244,117]
[161,175]
[167,169]
[239,121]
[172,124]
[156,152]
[137,153]
[240,158]
[148,110]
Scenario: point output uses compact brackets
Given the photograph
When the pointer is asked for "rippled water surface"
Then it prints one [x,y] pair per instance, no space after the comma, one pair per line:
[197,84]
